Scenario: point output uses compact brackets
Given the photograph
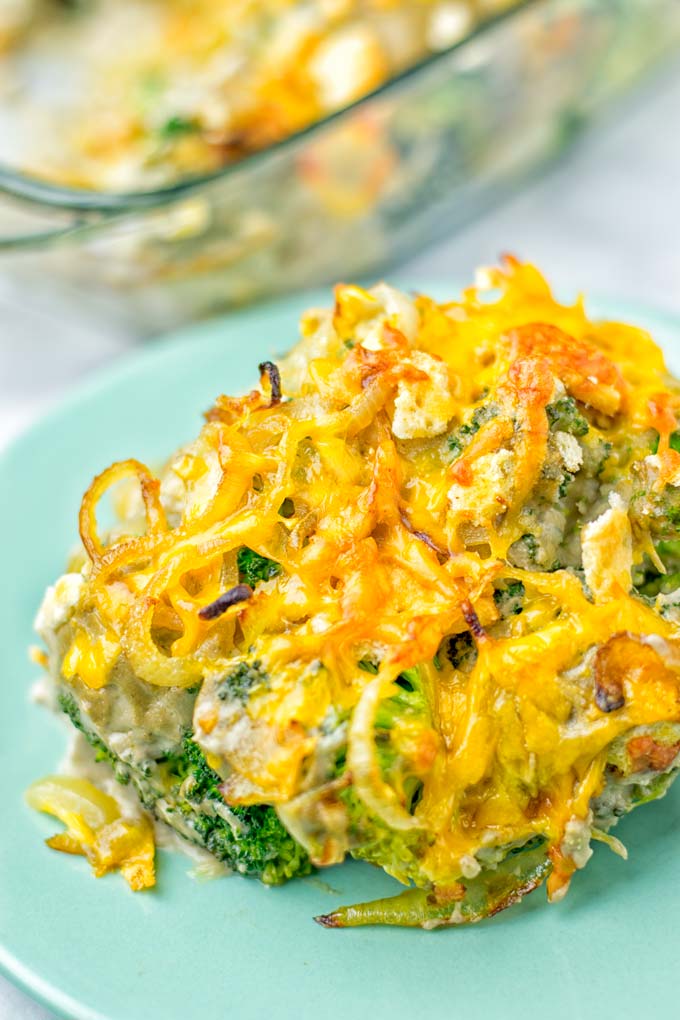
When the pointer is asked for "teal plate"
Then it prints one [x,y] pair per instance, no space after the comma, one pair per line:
[193,950]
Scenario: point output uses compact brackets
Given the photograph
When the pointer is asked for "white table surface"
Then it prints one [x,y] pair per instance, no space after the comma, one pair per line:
[606,221]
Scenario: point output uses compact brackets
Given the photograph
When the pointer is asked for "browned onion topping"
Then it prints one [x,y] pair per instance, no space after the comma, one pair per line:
[239,593]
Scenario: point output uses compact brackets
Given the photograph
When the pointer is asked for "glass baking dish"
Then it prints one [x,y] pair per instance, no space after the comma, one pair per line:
[365,186]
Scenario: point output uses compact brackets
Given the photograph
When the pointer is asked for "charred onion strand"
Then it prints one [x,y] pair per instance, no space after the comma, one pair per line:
[422,536]
[472,620]
[271,371]
[239,593]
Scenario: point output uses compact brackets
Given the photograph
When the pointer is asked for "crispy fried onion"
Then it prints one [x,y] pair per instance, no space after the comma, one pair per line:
[153,509]
[96,828]
[154,565]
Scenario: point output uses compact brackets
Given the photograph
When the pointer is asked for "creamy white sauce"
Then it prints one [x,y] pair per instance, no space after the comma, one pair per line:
[79,761]
[576,841]
[57,603]
[44,692]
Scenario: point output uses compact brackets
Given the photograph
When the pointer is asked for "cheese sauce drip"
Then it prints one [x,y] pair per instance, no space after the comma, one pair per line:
[417,467]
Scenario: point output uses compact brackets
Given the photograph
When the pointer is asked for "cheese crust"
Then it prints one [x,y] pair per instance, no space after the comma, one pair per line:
[463,645]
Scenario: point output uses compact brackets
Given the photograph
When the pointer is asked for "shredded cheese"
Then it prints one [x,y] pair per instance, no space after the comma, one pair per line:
[402,515]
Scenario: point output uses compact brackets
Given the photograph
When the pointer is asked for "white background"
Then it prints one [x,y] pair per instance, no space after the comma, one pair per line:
[605,221]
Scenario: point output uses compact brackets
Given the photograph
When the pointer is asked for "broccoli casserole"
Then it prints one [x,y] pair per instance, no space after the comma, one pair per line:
[414,599]
[125,95]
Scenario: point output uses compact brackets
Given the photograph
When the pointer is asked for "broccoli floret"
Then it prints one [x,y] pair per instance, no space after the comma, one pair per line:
[673,442]
[670,553]
[649,582]
[250,840]
[177,126]
[564,416]
[525,548]
[461,651]
[527,553]
[368,666]
[399,853]
[604,451]
[509,596]
[653,789]
[370,839]
[242,680]
[455,444]
[253,568]
[409,700]
[563,489]
[184,791]
[459,439]
[68,704]
[659,512]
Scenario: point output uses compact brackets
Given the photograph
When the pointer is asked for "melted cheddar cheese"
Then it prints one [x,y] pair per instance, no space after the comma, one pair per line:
[425,464]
